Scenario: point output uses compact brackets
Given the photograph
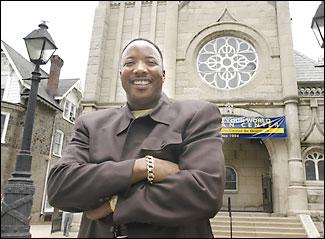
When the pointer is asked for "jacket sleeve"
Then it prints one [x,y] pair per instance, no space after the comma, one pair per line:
[193,193]
[75,185]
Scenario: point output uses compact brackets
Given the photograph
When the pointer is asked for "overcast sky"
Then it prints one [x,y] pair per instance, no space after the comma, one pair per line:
[70,25]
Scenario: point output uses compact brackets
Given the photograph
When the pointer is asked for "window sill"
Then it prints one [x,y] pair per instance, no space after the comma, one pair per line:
[317,183]
[231,191]
[72,122]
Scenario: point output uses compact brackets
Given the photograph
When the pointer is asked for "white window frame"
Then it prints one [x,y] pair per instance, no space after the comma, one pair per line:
[47,207]
[5,126]
[315,161]
[236,174]
[69,112]
[58,154]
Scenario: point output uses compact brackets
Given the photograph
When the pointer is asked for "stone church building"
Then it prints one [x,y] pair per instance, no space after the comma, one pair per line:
[238,55]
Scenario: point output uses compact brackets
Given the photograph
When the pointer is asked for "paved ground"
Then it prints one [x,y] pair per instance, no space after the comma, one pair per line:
[44,231]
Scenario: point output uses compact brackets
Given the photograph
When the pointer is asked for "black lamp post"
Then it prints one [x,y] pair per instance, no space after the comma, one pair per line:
[317,24]
[18,194]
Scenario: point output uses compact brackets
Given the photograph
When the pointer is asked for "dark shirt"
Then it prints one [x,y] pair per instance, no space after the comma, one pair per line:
[98,163]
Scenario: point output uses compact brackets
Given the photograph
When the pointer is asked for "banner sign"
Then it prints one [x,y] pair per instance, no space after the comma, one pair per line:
[253,127]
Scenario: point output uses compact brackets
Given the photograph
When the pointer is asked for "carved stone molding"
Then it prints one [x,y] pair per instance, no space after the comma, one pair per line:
[130,4]
[146,3]
[315,132]
[115,4]
[229,109]
[226,16]
[311,91]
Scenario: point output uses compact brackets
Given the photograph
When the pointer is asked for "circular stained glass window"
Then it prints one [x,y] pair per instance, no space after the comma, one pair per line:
[227,62]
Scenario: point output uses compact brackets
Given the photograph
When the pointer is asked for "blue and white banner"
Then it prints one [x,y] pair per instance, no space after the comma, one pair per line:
[253,127]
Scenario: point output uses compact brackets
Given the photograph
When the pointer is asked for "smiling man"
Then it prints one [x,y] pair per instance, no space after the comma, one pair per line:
[142,74]
[153,168]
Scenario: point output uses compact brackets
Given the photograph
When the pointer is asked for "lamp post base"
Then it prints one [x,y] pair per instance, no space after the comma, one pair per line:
[16,207]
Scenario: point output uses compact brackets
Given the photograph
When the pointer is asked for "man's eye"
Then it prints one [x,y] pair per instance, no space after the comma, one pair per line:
[128,63]
[152,63]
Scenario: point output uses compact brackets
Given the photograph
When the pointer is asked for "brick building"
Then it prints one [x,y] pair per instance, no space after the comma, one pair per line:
[57,107]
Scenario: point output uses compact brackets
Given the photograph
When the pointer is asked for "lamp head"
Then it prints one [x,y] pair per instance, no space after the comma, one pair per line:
[317,24]
[40,45]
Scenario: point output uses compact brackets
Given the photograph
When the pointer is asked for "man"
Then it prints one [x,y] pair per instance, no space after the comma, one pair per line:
[153,168]
[67,218]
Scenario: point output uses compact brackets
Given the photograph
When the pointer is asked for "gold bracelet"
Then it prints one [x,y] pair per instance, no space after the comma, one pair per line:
[150,167]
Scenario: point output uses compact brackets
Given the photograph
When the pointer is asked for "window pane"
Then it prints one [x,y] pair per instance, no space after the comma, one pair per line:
[230,174]
[230,178]
[58,142]
[56,148]
[231,185]
[310,170]
[57,137]
[3,118]
[48,207]
[72,110]
[66,109]
[321,170]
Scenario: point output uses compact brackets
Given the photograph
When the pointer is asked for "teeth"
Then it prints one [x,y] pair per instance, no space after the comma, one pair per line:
[141,82]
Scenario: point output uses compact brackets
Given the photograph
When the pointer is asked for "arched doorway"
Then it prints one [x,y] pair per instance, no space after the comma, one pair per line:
[247,161]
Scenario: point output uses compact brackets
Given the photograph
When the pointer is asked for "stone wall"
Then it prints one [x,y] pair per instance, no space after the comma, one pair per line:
[12,141]
[311,121]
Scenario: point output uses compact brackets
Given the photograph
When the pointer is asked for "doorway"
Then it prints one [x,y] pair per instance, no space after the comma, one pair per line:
[247,160]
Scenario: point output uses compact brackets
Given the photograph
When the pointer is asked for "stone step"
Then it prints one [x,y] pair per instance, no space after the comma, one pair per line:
[244,234]
[248,214]
[258,224]
[256,219]
[258,229]
[255,224]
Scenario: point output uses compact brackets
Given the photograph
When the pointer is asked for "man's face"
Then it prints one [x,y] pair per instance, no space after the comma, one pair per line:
[142,75]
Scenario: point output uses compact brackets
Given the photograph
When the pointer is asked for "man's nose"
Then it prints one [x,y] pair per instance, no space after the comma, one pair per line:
[140,68]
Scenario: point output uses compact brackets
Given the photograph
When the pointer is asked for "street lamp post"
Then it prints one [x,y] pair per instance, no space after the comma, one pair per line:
[317,24]
[17,202]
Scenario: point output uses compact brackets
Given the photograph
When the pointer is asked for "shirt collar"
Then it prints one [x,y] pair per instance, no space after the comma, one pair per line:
[159,113]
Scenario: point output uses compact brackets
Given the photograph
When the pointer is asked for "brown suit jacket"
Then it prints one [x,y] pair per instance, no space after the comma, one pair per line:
[98,161]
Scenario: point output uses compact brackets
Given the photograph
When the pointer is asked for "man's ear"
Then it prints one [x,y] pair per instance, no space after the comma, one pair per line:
[163,73]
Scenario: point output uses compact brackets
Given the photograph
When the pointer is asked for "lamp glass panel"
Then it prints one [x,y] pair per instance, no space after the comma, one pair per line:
[34,48]
[318,28]
[48,51]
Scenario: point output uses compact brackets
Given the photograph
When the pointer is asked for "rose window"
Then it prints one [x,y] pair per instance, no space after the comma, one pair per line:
[227,62]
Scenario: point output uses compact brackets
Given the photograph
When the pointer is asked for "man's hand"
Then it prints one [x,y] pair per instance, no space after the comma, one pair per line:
[162,169]
[99,212]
